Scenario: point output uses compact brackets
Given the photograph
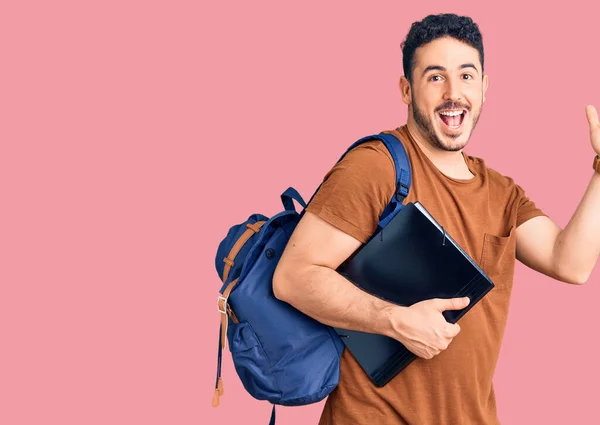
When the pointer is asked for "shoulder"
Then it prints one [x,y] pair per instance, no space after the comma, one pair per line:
[493,175]
[370,161]
[356,190]
[501,185]
[372,152]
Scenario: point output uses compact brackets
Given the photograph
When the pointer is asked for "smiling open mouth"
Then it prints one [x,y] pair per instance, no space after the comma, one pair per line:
[453,119]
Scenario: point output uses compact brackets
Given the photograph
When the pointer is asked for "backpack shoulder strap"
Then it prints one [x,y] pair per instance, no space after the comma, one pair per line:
[403,177]
[403,173]
[401,162]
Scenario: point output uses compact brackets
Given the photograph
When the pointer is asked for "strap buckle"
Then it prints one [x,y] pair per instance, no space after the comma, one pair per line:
[222,310]
[402,191]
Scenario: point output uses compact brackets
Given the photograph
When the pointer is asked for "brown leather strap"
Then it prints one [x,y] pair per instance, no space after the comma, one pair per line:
[235,250]
[231,314]
[255,227]
[223,306]
[224,309]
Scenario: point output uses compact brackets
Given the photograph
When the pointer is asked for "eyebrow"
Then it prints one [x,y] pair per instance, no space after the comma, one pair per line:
[441,68]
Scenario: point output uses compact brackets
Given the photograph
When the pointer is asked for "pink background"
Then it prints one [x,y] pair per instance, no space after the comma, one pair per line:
[134,133]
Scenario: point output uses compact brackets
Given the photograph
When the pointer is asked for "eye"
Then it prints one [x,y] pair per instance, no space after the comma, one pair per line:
[470,77]
[433,78]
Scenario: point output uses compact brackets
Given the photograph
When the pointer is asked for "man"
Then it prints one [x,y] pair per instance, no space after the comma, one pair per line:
[488,214]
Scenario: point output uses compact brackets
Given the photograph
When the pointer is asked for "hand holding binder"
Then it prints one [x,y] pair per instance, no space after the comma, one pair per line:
[423,330]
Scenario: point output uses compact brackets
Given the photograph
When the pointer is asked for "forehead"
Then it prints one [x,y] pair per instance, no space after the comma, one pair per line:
[447,52]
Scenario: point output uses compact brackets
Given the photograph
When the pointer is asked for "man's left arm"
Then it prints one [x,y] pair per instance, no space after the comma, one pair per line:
[568,254]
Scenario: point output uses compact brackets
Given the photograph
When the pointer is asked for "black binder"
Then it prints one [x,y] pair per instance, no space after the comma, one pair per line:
[410,260]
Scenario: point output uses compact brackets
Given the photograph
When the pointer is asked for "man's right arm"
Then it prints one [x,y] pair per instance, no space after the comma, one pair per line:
[307,279]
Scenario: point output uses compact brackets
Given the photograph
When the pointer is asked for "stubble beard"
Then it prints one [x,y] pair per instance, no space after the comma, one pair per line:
[426,127]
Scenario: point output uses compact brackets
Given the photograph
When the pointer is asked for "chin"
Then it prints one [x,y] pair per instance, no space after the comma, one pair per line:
[452,141]
[452,147]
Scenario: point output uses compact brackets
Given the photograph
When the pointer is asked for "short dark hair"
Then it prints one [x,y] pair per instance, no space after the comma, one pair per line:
[433,27]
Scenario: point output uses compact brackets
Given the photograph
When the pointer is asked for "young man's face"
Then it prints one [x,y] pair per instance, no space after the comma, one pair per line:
[447,92]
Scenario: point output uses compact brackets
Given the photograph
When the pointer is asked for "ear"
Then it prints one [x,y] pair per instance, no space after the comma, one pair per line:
[405,90]
[486,82]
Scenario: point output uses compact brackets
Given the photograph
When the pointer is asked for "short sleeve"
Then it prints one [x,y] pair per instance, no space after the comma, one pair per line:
[356,190]
[526,208]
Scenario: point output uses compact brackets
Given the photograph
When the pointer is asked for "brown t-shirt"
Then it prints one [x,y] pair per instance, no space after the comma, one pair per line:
[481,214]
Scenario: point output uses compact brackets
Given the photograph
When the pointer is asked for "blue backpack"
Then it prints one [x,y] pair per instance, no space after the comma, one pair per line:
[280,354]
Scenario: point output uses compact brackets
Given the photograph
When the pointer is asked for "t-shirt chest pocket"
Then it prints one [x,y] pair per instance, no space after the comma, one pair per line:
[497,258]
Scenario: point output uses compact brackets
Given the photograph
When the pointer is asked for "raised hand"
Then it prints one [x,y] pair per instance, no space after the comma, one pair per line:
[592,117]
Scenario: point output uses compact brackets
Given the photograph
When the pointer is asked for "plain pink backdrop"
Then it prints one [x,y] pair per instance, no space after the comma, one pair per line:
[134,133]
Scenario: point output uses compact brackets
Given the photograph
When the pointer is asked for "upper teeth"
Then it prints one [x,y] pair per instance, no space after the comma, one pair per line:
[451,113]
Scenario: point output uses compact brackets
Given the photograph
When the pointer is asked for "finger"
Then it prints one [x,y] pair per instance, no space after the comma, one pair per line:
[424,353]
[430,354]
[453,303]
[452,330]
[442,345]
[592,117]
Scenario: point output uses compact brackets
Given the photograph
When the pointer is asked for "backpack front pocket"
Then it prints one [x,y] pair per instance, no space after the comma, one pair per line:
[251,362]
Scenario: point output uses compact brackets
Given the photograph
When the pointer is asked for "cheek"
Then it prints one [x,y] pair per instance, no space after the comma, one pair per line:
[424,102]
[429,100]
[475,96]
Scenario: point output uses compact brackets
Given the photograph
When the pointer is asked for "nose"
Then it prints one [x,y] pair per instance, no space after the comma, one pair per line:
[452,91]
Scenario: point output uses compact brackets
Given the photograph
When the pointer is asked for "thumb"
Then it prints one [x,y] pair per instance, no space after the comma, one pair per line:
[453,303]
[592,117]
